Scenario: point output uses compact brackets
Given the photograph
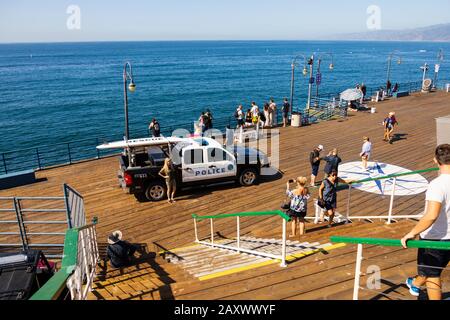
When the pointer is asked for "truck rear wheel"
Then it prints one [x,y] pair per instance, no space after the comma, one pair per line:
[156,191]
[248,177]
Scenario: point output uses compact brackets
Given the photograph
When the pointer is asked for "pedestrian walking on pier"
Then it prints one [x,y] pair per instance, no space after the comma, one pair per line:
[366,152]
[273,109]
[267,122]
[434,226]
[389,124]
[314,159]
[155,128]
[239,116]
[285,110]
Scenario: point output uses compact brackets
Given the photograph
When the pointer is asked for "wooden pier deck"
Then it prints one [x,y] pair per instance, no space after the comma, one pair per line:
[318,276]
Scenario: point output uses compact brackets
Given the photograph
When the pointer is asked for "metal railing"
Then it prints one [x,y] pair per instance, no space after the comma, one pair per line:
[78,268]
[66,153]
[382,242]
[28,219]
[390,216]
[238,216]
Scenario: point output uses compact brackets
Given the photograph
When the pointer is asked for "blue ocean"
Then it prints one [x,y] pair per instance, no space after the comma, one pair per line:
[61,92]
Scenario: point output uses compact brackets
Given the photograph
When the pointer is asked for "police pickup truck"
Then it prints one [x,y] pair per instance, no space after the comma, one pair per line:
[198,161]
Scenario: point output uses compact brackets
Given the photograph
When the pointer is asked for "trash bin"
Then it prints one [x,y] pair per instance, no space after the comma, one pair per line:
[296,120]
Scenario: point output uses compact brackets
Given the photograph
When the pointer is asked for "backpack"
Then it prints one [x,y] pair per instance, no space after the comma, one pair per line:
[236,114]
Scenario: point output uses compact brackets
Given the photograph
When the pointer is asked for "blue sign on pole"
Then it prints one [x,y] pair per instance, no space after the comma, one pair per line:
[318,79]
[312,80]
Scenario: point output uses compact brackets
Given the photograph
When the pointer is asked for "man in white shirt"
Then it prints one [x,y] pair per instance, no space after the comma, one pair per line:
[434,226]
[239,116]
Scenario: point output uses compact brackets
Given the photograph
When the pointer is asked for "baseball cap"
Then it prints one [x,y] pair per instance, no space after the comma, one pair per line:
[320,147]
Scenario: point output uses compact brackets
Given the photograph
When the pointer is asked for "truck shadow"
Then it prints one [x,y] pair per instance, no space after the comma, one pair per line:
[204,190]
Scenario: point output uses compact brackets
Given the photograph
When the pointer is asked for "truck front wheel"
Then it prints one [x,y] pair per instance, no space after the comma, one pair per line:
[156,191]
[248,177]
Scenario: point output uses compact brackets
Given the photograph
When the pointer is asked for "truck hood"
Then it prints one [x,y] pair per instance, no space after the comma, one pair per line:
[250,156]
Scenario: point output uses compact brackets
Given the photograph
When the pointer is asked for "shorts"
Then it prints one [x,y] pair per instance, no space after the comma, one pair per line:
[240,122]
[431,262]
[171,183]
[294,214]
[366,156]
[315,170]
[330,205]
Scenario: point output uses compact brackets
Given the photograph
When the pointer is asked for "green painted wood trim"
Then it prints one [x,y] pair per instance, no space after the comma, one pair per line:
[53,287]
[244,214]
[425,244]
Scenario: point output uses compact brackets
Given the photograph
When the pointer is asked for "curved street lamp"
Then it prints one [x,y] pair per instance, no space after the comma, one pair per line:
[132,87]
[440,59]
[390,57]
[304,71]
[319,75]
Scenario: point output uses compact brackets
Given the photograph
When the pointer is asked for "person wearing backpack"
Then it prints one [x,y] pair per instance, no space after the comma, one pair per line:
[298,206]
[155,127]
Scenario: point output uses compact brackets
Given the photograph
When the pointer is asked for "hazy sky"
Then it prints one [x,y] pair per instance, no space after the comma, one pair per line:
[46,20]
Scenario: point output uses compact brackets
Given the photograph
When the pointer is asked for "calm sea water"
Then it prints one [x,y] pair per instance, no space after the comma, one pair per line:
[64,92]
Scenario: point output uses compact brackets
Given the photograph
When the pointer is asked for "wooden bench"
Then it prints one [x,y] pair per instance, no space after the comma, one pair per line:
[400,94]
[16,179]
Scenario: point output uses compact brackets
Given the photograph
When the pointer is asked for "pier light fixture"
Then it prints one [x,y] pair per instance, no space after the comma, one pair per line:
[304,72]
[394,54]
[127,76]
[319,75]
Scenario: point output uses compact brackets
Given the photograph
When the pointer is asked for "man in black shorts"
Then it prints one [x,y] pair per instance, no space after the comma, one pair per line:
[314,159]
[434,226]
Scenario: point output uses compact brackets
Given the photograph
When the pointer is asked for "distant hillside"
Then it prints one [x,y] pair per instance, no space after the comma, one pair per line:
[439,32]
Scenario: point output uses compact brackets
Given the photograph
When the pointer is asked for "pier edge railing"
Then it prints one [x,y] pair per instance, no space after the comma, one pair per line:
[382,242]
[41,157]
[390,215]
[285,219]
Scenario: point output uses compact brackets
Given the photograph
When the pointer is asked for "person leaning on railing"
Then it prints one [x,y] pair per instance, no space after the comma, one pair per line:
[434,226]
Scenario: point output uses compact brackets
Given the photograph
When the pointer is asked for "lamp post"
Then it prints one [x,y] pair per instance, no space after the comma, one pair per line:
[311,81]
[399,61]
[440,58]
[132,87]
[319,75]
[305,72]
[425,68]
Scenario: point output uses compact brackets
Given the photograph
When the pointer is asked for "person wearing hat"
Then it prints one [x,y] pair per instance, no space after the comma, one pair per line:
[314,159]
[119,252]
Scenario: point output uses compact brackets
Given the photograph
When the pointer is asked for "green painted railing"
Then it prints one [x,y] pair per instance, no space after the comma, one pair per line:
[244,214]
[54,287]
[424,244]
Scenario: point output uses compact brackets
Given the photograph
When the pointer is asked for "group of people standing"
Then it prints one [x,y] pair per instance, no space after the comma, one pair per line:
[327,193]
[265,118]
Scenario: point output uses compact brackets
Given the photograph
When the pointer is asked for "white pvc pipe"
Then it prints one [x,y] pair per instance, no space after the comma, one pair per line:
[391,205]
[283,249]
[348,202]
[357,271]
[212,231]
[238,233]
[195,230]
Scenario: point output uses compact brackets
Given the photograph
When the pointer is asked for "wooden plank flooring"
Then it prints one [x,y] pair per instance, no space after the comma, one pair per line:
[171,226]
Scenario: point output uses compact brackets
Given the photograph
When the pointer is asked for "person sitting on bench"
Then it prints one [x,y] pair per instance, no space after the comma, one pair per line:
[119,252]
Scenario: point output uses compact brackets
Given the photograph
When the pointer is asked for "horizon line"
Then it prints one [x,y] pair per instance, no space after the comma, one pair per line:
[222,40]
